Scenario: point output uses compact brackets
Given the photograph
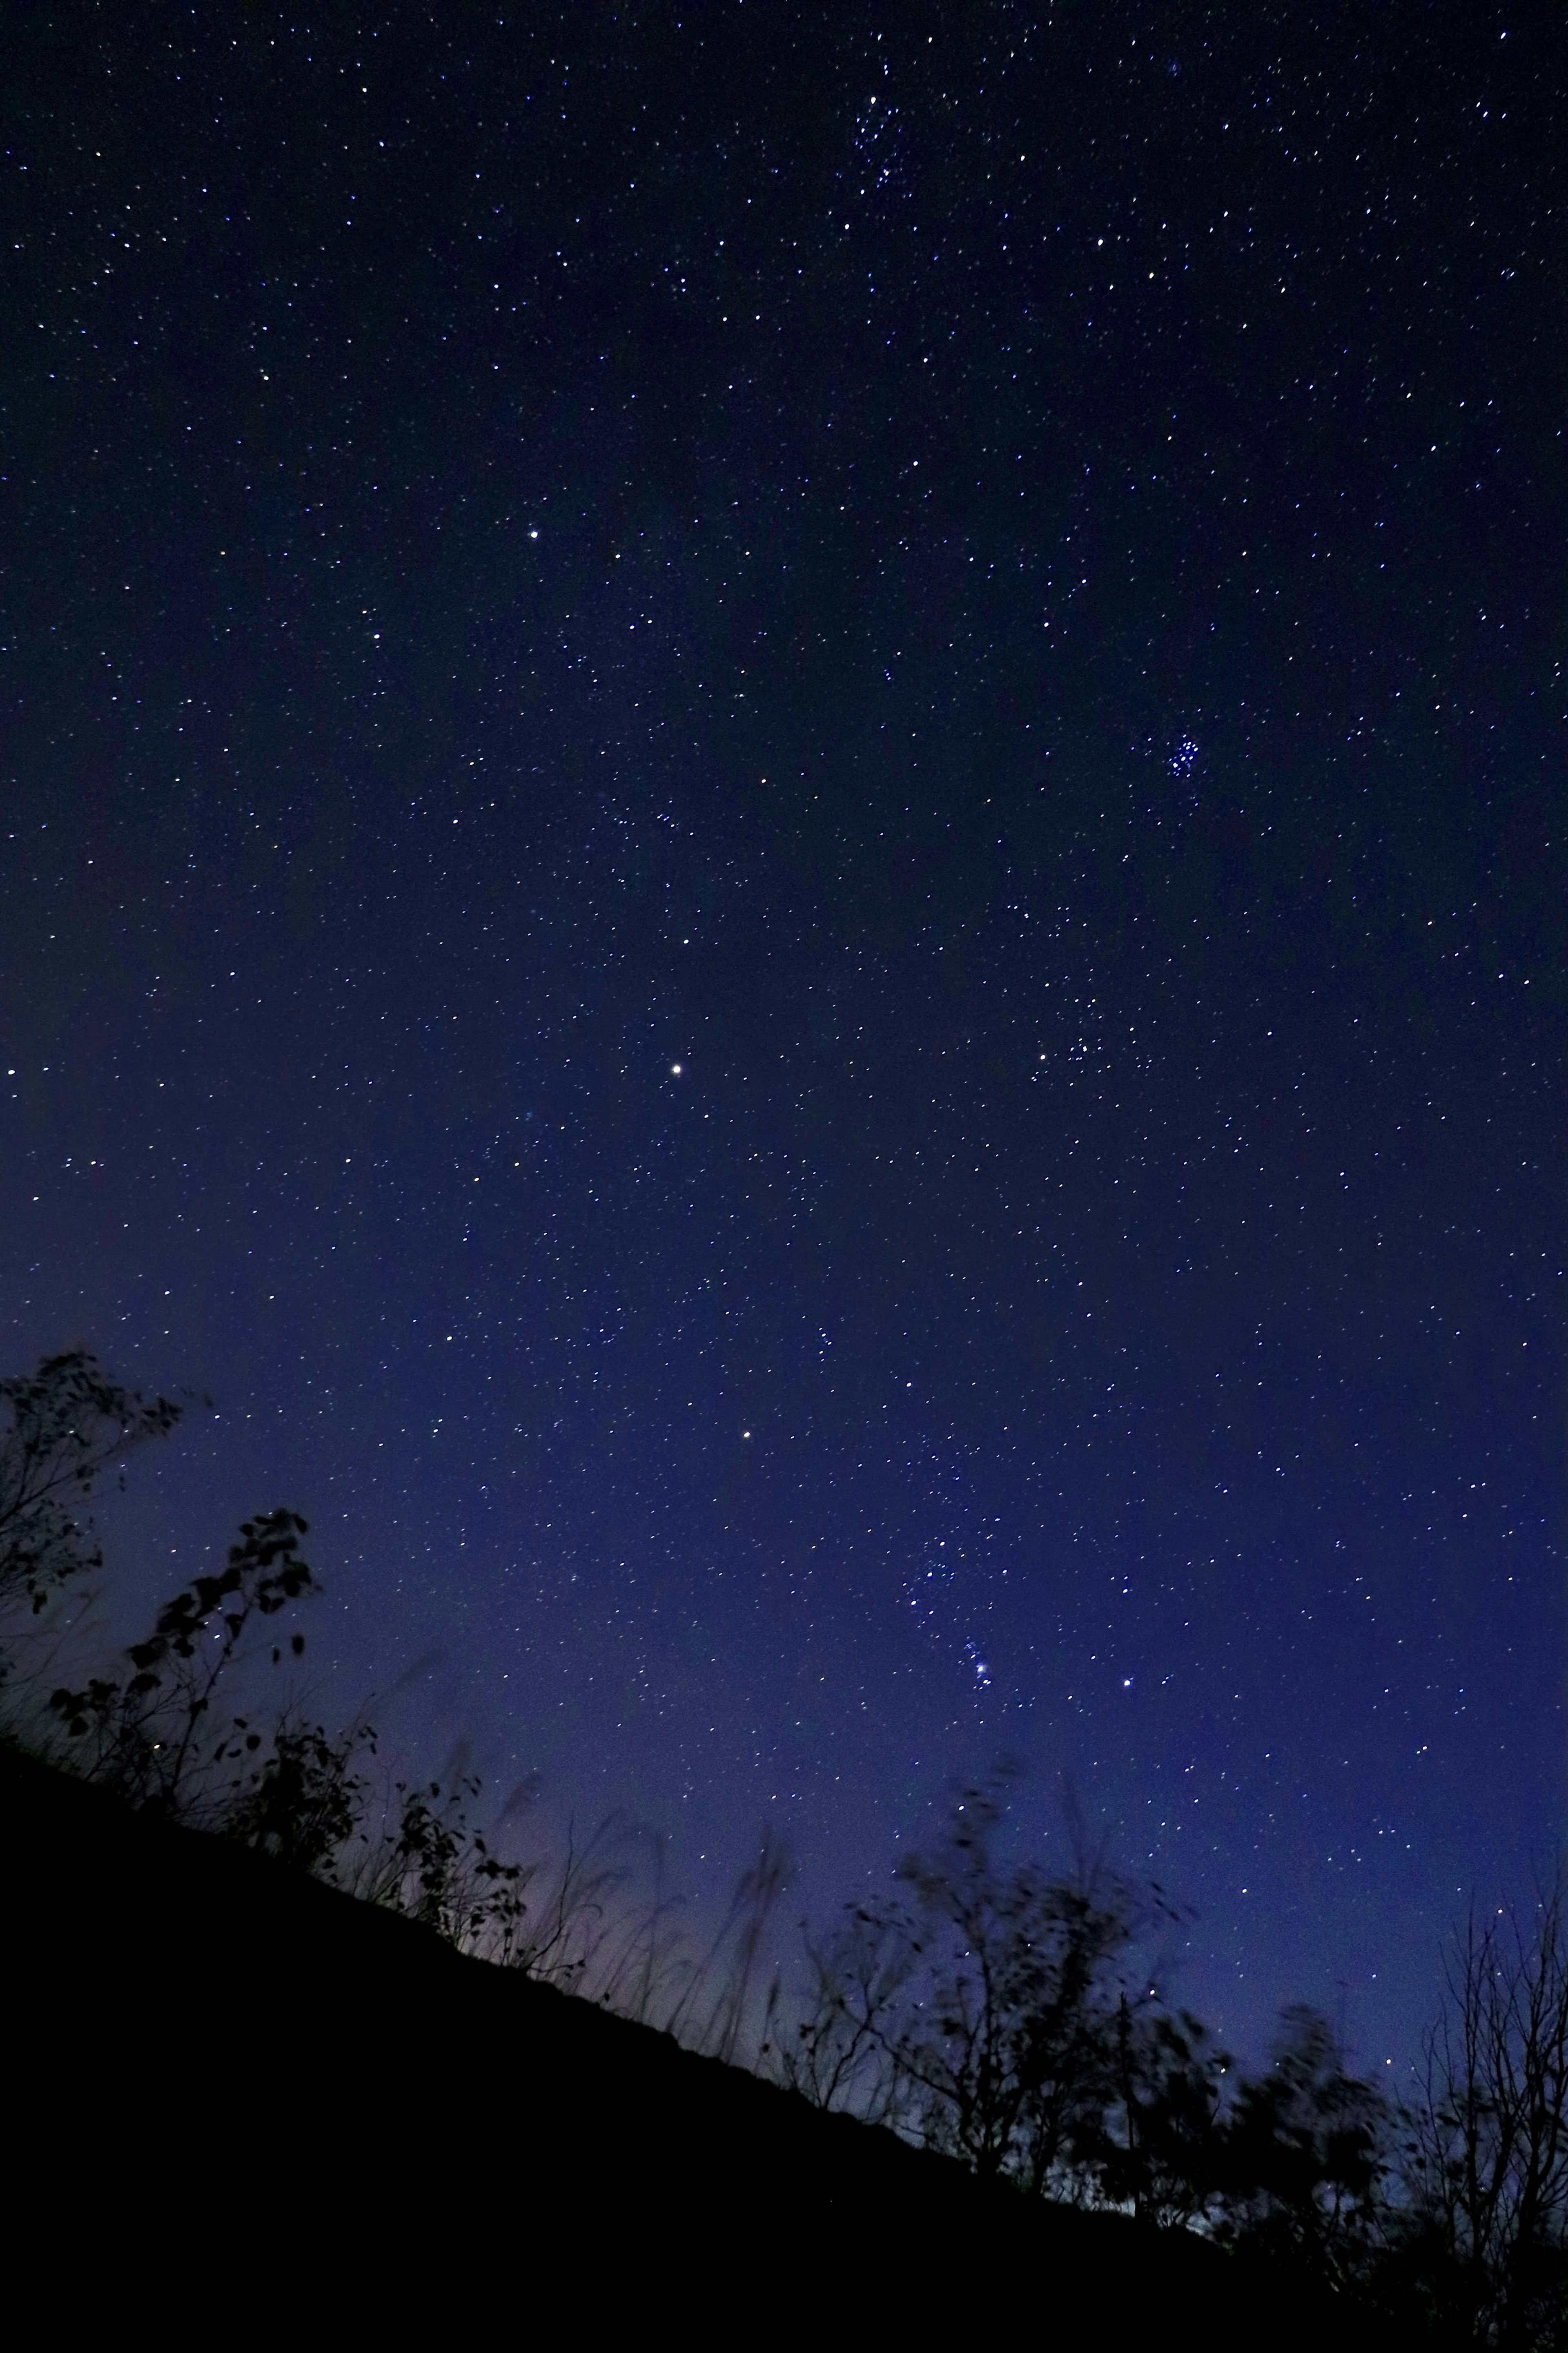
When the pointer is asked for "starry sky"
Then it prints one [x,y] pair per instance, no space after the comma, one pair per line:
[781,797]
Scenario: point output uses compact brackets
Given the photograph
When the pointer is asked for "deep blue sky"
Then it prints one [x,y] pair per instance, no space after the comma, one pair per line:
[988,583]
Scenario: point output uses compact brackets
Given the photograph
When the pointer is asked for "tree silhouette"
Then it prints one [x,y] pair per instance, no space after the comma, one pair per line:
[1305,2157]
[67,1422]
[1159,2144]
[979,2007]
[1486,2160]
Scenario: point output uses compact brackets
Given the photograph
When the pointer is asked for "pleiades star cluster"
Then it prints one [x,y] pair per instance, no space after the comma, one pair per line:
[782,825]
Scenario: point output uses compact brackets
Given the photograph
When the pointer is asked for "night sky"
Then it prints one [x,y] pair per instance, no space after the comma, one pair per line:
[781,811]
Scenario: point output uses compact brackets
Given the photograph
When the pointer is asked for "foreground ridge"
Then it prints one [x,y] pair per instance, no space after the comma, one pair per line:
[336,2076]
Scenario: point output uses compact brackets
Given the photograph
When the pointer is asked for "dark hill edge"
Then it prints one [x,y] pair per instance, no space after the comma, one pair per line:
[237,2041]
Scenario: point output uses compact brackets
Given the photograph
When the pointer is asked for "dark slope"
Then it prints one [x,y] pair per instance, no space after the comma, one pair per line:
[222,2075]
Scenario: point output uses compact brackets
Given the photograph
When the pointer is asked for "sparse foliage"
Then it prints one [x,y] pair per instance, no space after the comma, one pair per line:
[304,1801]
[431,1864]
[67,1423]
[152,1737]
[1486,2232]
[842,2051]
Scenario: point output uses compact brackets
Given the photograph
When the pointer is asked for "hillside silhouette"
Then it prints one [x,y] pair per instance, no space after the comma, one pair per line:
[281,2060]
[273,2033]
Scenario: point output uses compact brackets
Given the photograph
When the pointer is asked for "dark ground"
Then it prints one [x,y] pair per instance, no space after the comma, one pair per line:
[233,2090]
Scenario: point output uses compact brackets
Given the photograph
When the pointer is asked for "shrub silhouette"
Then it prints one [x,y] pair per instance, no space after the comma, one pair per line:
[843,2052]
[152,1737]
[306,1802]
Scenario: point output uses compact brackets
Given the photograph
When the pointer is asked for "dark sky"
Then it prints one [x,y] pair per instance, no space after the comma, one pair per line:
[782,800]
